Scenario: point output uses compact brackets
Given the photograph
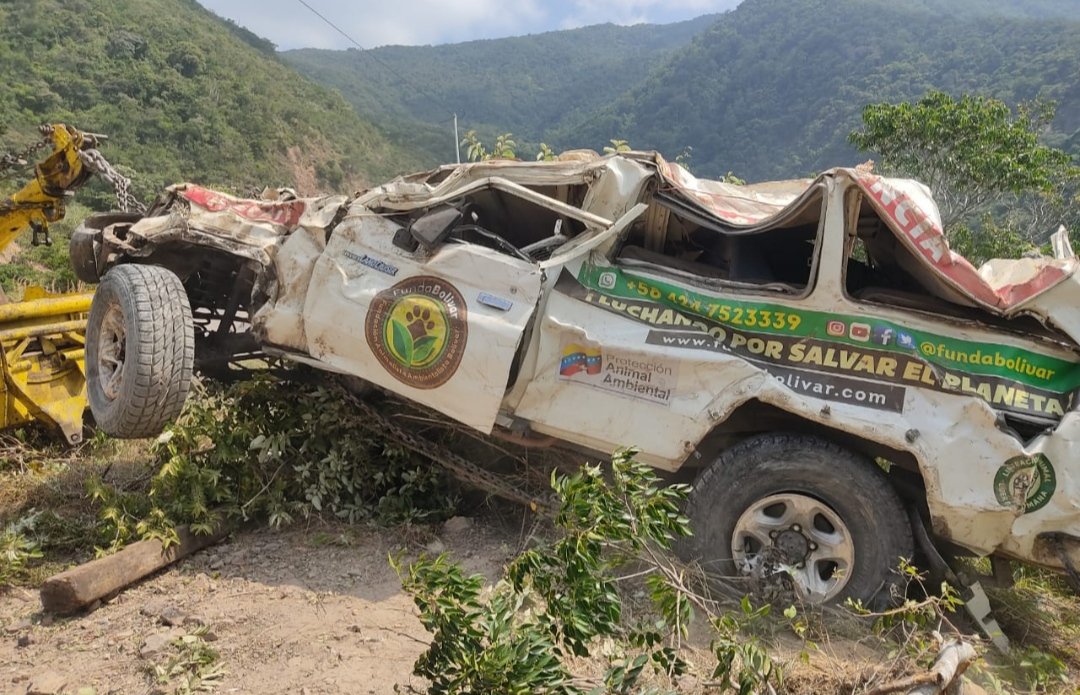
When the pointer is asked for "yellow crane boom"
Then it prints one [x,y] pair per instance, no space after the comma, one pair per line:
[42,337]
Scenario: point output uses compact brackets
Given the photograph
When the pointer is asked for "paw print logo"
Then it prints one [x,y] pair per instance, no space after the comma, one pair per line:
[417,330]
[418,320]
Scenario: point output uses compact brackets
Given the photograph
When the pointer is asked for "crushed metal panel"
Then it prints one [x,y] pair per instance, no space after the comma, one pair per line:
[737,205]
[442,330]
[280,321]
[908,209]
[614,184]
[244,227]
[616,187]
[414,193]
[1041,486]
[605,375]
[1059,306]
[910,212]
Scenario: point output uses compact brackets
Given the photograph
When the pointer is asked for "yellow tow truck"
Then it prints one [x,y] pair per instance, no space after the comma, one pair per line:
[43,337]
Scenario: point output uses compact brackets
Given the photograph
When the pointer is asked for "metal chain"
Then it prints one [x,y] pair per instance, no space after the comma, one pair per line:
[458,466]
[11,161]
[93,160]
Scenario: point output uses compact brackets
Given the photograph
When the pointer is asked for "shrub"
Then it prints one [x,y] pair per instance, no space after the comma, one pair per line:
[562,600]
[273,450]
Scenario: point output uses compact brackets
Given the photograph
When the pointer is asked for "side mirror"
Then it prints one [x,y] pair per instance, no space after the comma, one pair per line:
[434,226]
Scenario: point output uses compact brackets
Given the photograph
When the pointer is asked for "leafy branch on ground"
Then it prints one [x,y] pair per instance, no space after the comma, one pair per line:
[561,602]
[191,666]
[272,451]
[565,605]
[17,548]
[915,626]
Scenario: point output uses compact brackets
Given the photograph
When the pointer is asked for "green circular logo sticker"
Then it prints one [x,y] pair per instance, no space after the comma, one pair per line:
[417,330]
[1025,483]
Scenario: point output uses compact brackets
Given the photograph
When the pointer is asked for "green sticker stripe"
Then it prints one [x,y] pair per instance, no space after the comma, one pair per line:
[1007,362]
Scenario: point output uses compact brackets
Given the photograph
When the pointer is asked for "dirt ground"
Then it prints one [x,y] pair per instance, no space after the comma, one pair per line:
[315,610]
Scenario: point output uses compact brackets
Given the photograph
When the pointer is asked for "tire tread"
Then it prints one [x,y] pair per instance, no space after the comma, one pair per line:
[769,455]
[160,350]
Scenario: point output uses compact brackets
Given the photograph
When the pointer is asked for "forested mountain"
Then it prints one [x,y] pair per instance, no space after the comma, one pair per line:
[773,88]
[768,90]
[523,84]
[183,95]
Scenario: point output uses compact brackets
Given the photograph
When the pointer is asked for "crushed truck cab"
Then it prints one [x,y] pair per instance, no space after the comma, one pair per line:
[791,339]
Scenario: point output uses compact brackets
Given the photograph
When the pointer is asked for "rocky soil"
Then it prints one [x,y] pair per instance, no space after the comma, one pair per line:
[315,610]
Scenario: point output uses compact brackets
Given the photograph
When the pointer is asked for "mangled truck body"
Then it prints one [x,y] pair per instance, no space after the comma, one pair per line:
[783,339]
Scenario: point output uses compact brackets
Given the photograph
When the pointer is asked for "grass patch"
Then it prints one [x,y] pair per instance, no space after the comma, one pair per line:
[47,516]
[1041,616]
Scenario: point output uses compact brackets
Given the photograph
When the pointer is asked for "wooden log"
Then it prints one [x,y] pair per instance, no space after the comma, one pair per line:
[952,660]
[80,586]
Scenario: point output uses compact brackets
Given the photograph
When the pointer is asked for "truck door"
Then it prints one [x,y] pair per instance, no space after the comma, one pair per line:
[440,327]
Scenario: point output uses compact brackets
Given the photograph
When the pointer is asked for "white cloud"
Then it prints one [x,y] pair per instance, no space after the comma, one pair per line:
[378,23]
[626,12]
[291,25]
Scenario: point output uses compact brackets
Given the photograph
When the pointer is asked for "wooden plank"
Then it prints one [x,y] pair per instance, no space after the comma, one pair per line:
[80,586]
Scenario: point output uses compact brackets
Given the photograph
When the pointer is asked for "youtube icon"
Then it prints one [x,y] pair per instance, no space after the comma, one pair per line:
[860,332]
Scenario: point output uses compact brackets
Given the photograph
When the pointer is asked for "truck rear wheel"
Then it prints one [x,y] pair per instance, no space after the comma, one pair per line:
[802,506]
[140,351]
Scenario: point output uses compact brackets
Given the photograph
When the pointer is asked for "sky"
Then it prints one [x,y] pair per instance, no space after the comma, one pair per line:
[418,22]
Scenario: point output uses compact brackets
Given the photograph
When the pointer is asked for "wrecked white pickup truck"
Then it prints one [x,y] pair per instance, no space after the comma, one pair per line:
[785,338]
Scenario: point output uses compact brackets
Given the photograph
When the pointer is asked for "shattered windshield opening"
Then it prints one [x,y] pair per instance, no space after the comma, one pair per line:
[880,270]
[493,218]
[779,258]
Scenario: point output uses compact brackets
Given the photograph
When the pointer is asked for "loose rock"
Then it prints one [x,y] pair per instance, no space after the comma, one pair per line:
[18,626]
[47,683]
[165,613]
[194,621]
[457,524]
[155,644]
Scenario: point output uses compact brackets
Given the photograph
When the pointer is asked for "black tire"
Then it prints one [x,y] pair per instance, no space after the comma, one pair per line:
[83,255]
[140,351]
[802,468]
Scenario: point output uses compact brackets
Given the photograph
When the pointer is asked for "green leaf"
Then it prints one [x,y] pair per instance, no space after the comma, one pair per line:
[423,348]
[403,343]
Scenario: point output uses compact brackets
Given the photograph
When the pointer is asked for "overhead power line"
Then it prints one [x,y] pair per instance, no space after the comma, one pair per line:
[367,52]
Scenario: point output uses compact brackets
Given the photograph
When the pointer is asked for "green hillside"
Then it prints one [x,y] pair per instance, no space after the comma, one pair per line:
[525,84]
[772,89]
[183,95]
[768,90]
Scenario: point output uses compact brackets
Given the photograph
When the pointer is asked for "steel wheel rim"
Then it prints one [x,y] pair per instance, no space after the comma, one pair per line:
[810,541]
[112,349]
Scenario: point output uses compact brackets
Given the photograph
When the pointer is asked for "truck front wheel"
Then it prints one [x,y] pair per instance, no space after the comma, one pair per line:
[803,507]
[140,351]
